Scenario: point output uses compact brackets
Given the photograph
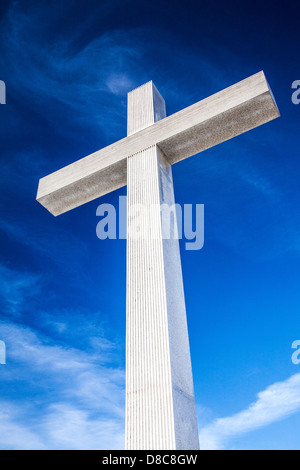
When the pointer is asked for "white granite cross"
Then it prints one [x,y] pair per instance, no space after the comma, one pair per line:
[160,403]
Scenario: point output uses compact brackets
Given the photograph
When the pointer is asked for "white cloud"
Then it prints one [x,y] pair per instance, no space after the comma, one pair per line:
[62,397]
[70,428]
[14,435]
[80,401]
[276,402]
[75,373]
[119,84]
[60,427]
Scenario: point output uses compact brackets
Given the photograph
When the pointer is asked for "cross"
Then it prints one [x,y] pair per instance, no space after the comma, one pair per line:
[160,402]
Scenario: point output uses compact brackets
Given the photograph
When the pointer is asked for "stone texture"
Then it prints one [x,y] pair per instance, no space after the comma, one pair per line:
[139,117]
[209,122]
[160,403]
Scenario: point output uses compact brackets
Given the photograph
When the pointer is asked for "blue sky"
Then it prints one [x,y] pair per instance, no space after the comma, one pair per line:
[68,67]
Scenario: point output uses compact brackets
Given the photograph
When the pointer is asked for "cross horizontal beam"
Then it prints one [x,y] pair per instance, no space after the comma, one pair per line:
[220,117]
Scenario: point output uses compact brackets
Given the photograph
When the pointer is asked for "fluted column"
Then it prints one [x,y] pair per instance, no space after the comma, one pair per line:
[160,404]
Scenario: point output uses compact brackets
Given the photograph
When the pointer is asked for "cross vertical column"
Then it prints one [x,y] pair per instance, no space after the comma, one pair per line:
[160,403]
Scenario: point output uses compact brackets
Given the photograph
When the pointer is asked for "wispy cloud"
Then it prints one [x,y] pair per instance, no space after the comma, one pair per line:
[59,74]
[60,427]
[55,73]
[15,288]
[15,435]
[87,376]
[70,428]
[80,395]
[273,404]
[63,396]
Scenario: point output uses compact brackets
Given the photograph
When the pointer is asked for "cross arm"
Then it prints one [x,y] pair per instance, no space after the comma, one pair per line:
[209,122]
